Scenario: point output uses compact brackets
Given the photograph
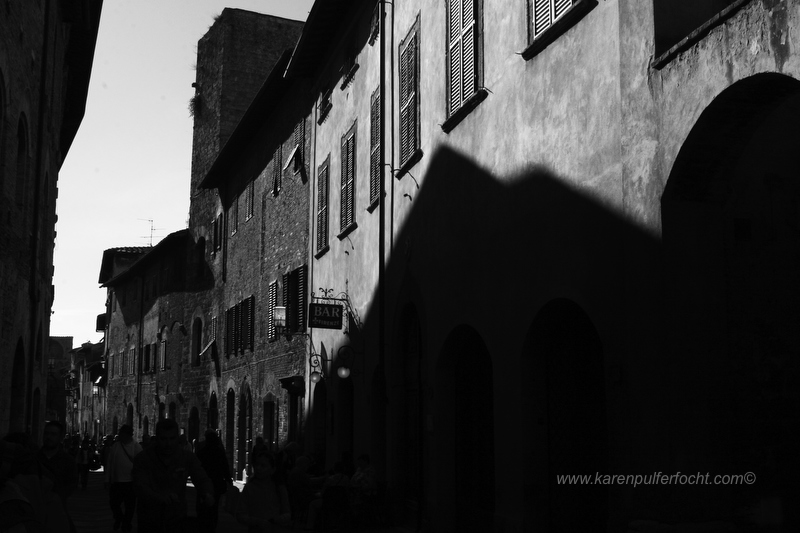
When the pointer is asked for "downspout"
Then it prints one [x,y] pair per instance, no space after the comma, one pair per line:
[33,283]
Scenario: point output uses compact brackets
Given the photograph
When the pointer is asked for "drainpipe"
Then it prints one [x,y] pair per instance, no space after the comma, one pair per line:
[33,284]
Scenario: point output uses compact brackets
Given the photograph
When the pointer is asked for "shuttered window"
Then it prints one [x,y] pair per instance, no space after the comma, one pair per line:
[273,300]
[348,197]
[462,52]
[229,332]
[299,139]
[375,166]
[249,200]
[409,100]
[294,299]
[545,13]
[322,205]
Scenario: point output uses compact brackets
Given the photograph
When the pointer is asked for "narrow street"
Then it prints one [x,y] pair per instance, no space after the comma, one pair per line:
[91,513]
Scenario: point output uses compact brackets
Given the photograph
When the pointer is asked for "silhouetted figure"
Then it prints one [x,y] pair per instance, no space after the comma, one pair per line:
[83,459]
[213,459]
[264,501]
[119,466]
[159,477]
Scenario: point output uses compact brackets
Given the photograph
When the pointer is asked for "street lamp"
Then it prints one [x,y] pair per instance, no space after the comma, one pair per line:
[344,354]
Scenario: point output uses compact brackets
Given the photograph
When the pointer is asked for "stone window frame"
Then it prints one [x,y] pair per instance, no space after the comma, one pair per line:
[544,28]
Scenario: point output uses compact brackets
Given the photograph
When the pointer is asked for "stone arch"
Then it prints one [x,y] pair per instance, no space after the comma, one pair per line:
[463,451]
[270,429]
[17,404]
[564,422]
[230,425]
[212,419]
[193,432]
[245,425]
[732,254]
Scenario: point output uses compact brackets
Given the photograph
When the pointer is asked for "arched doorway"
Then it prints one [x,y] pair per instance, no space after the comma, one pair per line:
[564,423]
[17,407]
[35,414]
[464,445]
[129,415]
[270,422]
[213,412]
[319,417]
[245,430]
[410,435]
[194,425]
[732,250]
[230,424]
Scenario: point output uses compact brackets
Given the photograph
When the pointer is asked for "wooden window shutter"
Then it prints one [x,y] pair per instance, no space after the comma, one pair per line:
[287,302]
[348,180]
[300,297]
[228,332]
[322,206]
[462,43]
[277,170]
[299,139]
[408,99]
[245,318]
[273,297]
[375,166]
[251,320]
[547,12]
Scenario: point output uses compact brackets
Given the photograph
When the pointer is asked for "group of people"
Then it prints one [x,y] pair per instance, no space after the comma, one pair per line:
[36,482]
[150,481]
[296,487]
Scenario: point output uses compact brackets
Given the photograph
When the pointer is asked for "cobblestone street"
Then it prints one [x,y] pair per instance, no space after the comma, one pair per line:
[91,513]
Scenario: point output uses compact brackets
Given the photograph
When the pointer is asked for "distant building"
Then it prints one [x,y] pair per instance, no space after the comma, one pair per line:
[46,54]
[58,367]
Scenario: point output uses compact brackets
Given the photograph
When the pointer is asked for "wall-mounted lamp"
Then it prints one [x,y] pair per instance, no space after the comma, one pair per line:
[344,355]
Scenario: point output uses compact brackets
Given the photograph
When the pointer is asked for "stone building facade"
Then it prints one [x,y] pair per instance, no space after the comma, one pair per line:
[46,54]
[581,266]
[200,350]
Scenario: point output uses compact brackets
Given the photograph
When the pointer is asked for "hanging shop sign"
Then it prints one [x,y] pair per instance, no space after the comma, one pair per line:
[326,316]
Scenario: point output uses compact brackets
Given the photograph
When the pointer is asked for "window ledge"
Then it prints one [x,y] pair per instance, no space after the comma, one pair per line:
[323,113]
[374,204]
[348,78]
[561,26]
[347,231]
[322,251]
[467,108]
[408,165]
[697,35]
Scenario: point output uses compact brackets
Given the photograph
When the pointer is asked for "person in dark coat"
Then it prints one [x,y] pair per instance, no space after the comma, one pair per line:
[214,461]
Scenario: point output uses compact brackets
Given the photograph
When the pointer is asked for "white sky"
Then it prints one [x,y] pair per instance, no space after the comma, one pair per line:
[131,159]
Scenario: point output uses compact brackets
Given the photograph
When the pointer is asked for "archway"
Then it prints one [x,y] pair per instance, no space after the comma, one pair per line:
[732,250]
[17,407]
[270,422]
[194,425]
[129,415]
[213,412]
[230,431]
[564,422]
[245,430]
[464,439]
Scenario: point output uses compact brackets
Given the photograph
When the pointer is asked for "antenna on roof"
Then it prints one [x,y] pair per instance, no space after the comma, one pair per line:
[152,230]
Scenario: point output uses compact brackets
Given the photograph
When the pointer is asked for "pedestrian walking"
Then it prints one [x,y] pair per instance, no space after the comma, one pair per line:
[83,462]
[159,477]
[213,459]
[119,465]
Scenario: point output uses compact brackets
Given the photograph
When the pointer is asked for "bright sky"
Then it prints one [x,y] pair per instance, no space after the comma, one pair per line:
[131,160]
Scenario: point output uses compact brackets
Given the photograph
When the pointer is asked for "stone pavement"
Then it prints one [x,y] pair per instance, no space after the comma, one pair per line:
[91,513]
